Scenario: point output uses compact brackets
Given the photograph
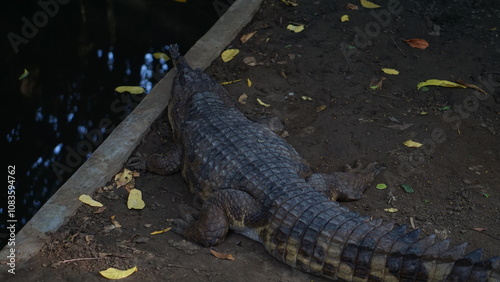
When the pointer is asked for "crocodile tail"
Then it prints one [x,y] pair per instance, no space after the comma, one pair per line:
[328,240]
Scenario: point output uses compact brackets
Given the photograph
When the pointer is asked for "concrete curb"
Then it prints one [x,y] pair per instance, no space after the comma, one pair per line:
[109,157]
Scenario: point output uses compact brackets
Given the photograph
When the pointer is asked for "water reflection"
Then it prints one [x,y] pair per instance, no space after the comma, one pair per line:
[66,106]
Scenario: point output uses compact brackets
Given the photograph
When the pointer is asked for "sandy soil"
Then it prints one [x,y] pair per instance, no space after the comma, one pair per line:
[455,175]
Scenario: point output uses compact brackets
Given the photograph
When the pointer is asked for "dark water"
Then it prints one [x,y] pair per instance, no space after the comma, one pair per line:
[77,52]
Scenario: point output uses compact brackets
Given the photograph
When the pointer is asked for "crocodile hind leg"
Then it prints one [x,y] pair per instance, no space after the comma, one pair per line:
[225,209]
[346,186]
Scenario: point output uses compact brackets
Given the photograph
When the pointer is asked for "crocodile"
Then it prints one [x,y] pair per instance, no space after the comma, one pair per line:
[253,182]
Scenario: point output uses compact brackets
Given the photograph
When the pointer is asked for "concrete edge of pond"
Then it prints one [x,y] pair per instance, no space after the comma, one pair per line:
[109,157]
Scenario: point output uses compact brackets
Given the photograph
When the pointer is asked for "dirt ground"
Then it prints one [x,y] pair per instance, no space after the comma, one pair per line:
[318,83]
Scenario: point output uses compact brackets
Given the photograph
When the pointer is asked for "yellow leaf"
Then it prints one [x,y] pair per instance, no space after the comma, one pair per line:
[160,55]
[135,200]
[295,28]
[89,201]
[244,38]
[229,54]
[412,144]
[369,5]
[249,82]
[390,71]
[124,177]
[160,231]
[114,274]
[262,103]
[306,98]
[229,82]
[344,18]
[438,82]
[24,75]
[222,256]
[391,210]
[131,89]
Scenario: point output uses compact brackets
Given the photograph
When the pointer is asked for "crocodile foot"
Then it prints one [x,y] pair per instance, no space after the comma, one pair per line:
[137,162]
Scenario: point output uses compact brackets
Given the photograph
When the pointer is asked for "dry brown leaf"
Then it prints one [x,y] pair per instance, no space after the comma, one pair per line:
[283,74]
[472,86]
[478,229]
[417,43]
[243,99]
[222,256]
[320,108]
[100,210]
[244,38]
[250,61]
[351,6]
[376,83]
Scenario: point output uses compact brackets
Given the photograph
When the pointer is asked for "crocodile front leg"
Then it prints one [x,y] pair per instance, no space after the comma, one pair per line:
[346,186]
[225,209]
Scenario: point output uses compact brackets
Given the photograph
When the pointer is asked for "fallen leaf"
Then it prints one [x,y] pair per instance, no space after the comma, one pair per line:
[369,5]
[391,210]
[306,98]
[262,103]
[243,99]
[344,18]
[222,256]
[250,61]
[229,54]
[439,82]
[160,55]
[100,210]
[486,195]
[282,72]
[407,188]
[376,83]
[230,82]
[135,200]
[130,89]
[115,222]
[478,229]
[160,231]
[381,186]
[400,126]
[289,3]
[473,87]
[249,82]
[244,38]
[417,43]
[295,28]
[114,274]
[124,177]
[89,201]
[390,71]
[24,75]
[320,108]
[412,144]
[351,6]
